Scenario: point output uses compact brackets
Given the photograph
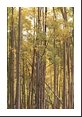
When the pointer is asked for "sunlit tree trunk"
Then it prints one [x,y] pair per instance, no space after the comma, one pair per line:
[18,61]
[43,62]
[8,64]
[69,78]
[23,90]
[12,62]
[72,67]
[37,96]
[64,14]
[55,74]
[33,65]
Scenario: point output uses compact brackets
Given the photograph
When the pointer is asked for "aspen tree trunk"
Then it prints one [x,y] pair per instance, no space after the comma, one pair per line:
[28,88]
[55,82]
[37,97]
[69,80]
[72,68]
[55,74]
[41,65]
[58,79]
[64,14]
[64,80]
[32,78]
[12,63]
[40,60]
[23,91]
[33,65]
[72,75]
[37,80]
[72,80]
[8,64]
[44,62]
[18,61]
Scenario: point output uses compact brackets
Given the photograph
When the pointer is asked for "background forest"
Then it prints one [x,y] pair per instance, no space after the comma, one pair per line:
[40,58]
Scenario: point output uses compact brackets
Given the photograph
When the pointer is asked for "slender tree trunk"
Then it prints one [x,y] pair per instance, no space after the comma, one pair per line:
[72,68]
[55,89]
[37,79]
[12,63]
[72,81]
[28,89]
[23,91]
[33,65]
[43,61]
[44,64]
[18,61]
[69,80]
[64,14]
[8,64]
[32,78]
[55,74]
[64,80]
[37,101]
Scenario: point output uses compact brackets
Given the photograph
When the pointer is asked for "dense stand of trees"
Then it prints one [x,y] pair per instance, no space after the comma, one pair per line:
[40,58]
